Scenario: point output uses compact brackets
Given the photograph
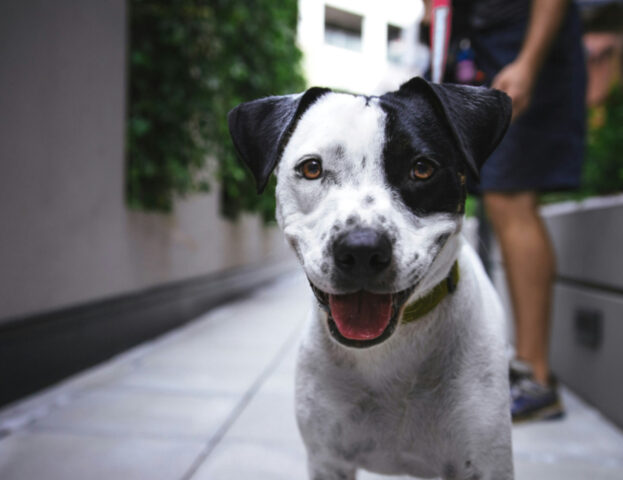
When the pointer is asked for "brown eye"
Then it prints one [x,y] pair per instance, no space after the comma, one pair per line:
[422,170]
[311,169]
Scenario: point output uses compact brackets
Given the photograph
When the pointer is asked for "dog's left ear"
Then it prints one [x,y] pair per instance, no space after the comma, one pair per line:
[260,129]
[478,117]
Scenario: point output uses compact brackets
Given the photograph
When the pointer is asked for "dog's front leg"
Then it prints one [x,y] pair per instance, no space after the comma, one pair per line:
[326,470]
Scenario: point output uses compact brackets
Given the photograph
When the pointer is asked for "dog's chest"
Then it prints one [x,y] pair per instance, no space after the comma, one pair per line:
[388,427]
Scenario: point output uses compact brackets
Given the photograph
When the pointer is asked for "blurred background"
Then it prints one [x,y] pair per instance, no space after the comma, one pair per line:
[120,189]
[123,210]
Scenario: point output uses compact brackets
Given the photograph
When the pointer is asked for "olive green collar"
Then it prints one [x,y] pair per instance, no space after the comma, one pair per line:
[428,302]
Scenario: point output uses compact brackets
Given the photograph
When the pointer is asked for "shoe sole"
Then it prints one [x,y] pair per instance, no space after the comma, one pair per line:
[551,412]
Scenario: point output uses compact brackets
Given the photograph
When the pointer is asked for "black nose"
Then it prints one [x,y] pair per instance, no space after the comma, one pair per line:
[362,251]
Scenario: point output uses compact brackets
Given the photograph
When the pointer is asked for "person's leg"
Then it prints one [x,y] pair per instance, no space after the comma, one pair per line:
[530,266]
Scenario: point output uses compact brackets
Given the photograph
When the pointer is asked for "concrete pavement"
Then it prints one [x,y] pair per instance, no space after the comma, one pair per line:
[214,401]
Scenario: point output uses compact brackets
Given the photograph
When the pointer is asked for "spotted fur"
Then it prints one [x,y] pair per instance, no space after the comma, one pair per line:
[430,399]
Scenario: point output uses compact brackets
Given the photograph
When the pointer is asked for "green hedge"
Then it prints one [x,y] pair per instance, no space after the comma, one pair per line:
[602,172]
[603,168]
[190,62]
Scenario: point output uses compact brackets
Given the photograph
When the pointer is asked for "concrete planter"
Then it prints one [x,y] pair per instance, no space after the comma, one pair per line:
[587,323]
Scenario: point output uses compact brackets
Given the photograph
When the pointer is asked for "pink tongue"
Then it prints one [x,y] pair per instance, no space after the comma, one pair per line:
[362,315]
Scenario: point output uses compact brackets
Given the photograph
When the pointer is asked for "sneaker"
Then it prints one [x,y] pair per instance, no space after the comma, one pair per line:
[518,369]
[529,399]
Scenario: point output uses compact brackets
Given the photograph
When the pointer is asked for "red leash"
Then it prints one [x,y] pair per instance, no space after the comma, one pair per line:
[441,25]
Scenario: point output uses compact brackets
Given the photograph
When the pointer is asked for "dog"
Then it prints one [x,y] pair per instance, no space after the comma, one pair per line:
[402,369]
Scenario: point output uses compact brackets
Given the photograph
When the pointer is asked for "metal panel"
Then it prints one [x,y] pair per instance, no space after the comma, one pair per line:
[588,238]
[587,353]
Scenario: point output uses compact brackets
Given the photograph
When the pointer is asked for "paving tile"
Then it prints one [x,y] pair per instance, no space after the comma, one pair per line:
[269,416]
[126,412]
[189,366]
[61,456]
[584,432]
[565,470]
[287,366]
[537,471]
[237,460]
[251,327]
[264,319]
[214,380]
[196,354]
[567,440]
[186,368]
[245,343]
[17,415]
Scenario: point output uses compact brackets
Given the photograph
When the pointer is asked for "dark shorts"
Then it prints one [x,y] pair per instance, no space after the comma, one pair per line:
[544,148]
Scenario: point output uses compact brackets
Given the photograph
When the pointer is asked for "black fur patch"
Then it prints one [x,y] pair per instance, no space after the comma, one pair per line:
[414,133]
[454,127]
[261,129]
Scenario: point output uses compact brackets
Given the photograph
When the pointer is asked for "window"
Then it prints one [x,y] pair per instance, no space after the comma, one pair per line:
[342,29]
[395,44]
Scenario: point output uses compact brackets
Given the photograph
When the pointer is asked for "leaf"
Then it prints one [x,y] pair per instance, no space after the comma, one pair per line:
[191,61]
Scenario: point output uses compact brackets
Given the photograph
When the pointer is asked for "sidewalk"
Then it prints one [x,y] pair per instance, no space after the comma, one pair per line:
[214,401]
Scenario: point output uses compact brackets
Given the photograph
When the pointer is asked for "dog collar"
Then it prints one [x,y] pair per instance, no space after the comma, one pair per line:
[428,302]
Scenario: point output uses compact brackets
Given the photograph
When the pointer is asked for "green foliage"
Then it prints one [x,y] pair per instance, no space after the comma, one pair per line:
[602,172]
[191,61]
[471,206]
[603,168]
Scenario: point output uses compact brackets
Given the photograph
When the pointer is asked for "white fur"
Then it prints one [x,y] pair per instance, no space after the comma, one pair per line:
[307,210]
[433,399]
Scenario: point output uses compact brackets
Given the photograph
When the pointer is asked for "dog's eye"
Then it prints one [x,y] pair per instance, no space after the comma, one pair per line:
[311,169]
[422,170]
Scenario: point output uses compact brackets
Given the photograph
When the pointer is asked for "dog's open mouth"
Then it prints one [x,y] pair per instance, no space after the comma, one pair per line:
[363,318]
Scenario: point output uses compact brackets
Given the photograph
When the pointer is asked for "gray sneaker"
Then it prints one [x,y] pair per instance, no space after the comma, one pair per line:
[529,399]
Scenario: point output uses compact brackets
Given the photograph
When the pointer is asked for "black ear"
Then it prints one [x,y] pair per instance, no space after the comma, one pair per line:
[260,129]
[478,117]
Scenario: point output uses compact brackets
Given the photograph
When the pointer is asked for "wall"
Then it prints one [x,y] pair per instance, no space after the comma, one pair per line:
[66,237]
[366,71]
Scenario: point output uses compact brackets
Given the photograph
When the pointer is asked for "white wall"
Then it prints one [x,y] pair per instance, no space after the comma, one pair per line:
[66,236]
[367,71]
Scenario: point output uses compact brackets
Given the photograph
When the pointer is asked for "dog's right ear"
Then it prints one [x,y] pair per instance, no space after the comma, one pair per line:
[478,117]
[260,129]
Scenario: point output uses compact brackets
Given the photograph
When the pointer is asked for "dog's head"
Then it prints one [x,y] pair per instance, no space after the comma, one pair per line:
[371,190]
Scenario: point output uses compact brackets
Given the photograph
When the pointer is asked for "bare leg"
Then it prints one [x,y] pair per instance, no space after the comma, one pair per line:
[530,266]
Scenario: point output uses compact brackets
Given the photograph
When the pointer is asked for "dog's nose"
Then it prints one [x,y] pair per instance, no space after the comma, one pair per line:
[362,251]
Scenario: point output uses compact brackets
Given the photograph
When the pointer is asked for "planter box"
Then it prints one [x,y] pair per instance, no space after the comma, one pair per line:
[587,324]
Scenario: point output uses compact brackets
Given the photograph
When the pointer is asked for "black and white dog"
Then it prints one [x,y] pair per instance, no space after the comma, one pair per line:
[402,369]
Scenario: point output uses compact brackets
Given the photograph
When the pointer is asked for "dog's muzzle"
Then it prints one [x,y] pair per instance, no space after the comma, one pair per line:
[362,259]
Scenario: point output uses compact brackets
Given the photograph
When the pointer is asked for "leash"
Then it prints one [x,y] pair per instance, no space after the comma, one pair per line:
[441,25]
[427,303]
